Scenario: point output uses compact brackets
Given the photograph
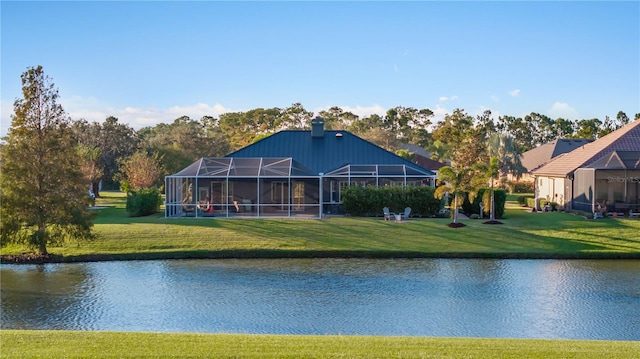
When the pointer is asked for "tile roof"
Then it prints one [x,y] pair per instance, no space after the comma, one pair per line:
[618,160]
[626,138]
[323,154]
[540,155]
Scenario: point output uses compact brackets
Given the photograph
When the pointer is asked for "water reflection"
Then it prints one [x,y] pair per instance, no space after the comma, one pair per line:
[426,297]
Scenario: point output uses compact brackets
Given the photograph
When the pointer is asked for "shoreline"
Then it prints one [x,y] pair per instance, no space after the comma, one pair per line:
[30,258]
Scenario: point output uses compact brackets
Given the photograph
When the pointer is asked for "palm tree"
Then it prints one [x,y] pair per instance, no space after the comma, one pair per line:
[492,173]
[456,182]
[503,148]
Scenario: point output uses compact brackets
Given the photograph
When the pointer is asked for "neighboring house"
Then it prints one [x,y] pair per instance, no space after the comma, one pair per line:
[560,181]
[610,184]
[422,158]
[428,163]
[541,155]
[292,173]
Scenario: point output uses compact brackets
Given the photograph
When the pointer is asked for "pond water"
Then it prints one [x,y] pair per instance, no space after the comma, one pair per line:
[573,299]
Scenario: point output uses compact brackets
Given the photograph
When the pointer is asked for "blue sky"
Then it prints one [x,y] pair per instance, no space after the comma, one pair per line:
[150,62]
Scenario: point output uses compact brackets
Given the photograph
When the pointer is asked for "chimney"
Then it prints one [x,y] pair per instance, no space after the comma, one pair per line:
[317,127]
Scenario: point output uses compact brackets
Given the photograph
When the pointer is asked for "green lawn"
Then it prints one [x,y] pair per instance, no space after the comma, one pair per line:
[523,235]
[74,344]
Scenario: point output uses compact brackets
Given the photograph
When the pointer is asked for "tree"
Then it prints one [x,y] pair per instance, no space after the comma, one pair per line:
[87,138]
[372,129]
[456,182]
[243,128]
[520,130]
[296,117]
[504,149]
[90,166]
[491,173]
[622,118]
[464,140]
[183,141]
[588,129]
[116,141]
[44,196]
[140,170]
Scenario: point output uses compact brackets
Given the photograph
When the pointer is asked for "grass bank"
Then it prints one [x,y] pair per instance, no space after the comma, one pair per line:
[523,235]
[75,344]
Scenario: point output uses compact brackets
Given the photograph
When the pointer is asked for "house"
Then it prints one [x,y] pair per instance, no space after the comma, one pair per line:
[610,184]
[422,158]
[293,173]
[541,155]
[592,174]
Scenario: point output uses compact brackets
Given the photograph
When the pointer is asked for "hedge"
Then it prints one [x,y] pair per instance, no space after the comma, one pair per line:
[143,202]
[369,201]
[484,196]
[524,201]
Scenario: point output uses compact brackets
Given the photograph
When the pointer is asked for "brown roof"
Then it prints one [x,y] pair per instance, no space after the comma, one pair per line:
[626,138]
[540,155]
[428,163]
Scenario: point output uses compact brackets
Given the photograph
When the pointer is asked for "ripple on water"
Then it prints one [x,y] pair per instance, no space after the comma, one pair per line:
[425,297]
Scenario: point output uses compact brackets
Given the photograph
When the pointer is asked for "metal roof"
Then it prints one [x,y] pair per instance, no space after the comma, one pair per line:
[335,149]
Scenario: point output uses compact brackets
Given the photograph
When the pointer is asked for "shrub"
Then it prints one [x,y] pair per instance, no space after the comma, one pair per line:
[524,201]
[369,201]
[521,187]
[469,208]
[484,197]
[143,202]
[499,200]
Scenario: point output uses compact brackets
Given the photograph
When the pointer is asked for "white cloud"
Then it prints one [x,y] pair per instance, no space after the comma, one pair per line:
[92,110]
[438,114]
[445,98]
[495,98]
[562,109]
[6,110]
[360,111]
[514,93]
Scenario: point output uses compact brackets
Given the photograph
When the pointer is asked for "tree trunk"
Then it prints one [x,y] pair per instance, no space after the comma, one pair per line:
[95,187]
[492,216]
[455,209]
[42,240]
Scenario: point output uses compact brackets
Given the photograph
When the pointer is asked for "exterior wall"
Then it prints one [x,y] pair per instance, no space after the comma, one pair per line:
[551,189]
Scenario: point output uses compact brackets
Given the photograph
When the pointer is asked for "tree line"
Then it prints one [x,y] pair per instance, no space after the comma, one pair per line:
[49,162]
[459,138]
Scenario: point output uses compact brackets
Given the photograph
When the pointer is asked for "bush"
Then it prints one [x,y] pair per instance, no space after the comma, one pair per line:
[521,187]
[469,208]
[484,197]
[143,202]
[524,201]
[499,200]
[369,201]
